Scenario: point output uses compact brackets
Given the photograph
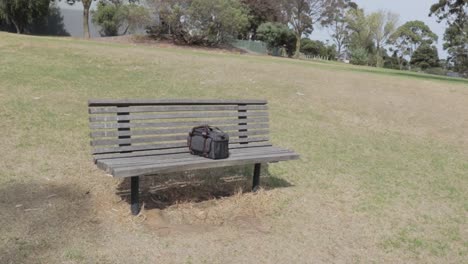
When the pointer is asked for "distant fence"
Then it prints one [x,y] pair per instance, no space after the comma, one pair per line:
[251,45]
[261,47]
[313,57]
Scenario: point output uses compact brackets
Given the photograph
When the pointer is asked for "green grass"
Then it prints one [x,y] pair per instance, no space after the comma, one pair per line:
[383,175]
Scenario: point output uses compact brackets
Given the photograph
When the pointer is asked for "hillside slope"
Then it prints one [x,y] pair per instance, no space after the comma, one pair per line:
[383,175]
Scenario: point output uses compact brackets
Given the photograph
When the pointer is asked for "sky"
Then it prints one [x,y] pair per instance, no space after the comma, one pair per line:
[407,9]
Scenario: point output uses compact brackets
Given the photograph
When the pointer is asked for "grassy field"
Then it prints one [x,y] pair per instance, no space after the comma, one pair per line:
[383,175]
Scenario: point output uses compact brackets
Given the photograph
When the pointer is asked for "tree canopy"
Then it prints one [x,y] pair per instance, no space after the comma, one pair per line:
[277,35]
[455,14]
[408,37]
[425,56]
[261,11]
[22,13]
[335,21]
[116,18]
[303,15]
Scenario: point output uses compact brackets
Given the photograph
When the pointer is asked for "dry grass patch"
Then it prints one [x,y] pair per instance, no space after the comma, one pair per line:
[383,175]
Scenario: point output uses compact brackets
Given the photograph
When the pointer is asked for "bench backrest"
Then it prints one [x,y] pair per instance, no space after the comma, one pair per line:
[121,128]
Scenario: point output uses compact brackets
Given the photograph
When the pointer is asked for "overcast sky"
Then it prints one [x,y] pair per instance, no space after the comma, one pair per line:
[407,9]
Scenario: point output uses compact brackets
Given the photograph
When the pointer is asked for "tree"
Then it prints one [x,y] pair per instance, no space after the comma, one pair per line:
[136,17]
[359,56]
[116,18]
[22,13]
[455,13]
[425,57]
[409,37]
[395,62]
[336,22]
[262,11]
[303,15]
[110,17]
[359,30]
[360,43]
[277,35]
[382,25]
[53,25]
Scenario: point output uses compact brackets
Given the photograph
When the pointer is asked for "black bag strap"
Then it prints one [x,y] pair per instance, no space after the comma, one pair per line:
[206,128]
[206,148]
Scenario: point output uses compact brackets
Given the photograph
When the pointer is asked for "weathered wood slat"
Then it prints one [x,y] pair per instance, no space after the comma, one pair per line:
[201,163]
[104,142]
[128,102]
[172,137]
[182,115]
[98,134]
[167,145]
[133,140]
[173,108]
[213,122]
[177,158]
[133,161]
[183,149]
[233,151]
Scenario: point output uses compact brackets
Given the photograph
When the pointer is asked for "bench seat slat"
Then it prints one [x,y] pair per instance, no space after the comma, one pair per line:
[168,145]
[127,102]
[134,132]
[185,155]
[166,159]
[183,149]
[104,142]
[215,122]
[200,163]
[176,158]
[172,108]
[183,115]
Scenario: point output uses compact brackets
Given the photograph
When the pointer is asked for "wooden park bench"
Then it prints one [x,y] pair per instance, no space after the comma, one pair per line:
[133,138]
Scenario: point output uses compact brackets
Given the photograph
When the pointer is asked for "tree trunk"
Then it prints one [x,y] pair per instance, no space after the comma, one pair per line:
[298,45]
[86,7]
[18,29]
[126,29]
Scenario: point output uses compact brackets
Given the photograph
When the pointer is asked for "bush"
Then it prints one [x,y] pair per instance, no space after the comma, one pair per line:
[318,48]
[136,17]
[436,71]
[313,47]
[359,56]
[277,35]
[110,17]
[425,57]
[115,18]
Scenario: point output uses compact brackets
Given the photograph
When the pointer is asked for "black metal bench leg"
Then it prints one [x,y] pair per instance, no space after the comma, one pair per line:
[134,192]
[256,177]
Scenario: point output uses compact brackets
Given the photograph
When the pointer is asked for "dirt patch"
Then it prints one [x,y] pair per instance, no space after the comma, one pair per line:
[143,40]
[165,190]
[38,218]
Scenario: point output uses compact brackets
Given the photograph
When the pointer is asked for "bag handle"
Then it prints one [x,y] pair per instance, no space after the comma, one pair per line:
[207,129]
